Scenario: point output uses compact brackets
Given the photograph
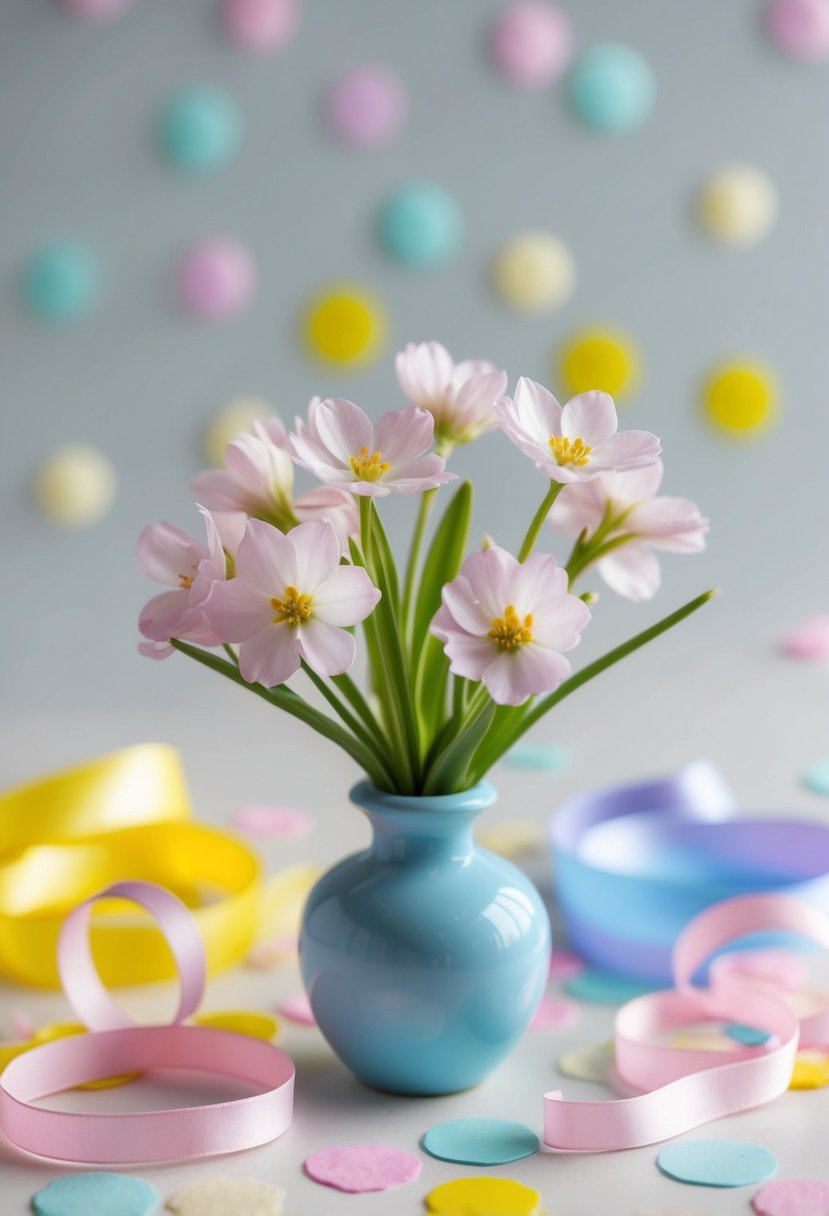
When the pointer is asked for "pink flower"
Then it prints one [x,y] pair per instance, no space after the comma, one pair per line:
[337,506]
[290,600]
[340,445]
[174,557]
[575,442]
[627,504]
[506,622]
[460,396]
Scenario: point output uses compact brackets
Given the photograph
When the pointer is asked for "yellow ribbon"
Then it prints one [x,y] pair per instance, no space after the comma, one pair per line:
[125,816]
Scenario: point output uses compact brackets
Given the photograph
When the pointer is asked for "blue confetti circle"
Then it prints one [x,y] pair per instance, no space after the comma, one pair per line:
[749,1036]
[716,1162]
[480,1141]
[612,88]
[200,129]
[421,225]
[61,281]
[84,1194]
[816,777]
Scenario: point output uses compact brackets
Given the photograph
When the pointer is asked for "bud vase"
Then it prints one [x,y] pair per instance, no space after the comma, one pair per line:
[424,956]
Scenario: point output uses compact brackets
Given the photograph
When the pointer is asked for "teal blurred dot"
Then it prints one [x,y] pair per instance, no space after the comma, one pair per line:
[612,88]
[750,1036]
[61,281]
[542,757]
[200,130]
[816,777]
[421,225]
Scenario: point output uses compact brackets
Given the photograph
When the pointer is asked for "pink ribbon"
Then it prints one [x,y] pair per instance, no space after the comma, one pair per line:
[116,1045]
[684,1088]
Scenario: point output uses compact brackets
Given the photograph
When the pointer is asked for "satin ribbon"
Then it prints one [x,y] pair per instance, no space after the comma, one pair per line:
[126,815]
[688,1087]
[116,1045]
[635,863]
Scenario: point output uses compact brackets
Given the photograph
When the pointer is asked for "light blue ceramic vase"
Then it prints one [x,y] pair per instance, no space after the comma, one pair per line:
[425,956]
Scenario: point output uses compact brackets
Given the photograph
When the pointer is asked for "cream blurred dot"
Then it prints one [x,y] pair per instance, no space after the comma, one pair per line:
[235,416]
[737,206]
[76,486]
[534,272]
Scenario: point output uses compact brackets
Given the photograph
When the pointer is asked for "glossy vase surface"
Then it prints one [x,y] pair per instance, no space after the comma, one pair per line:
[424,956]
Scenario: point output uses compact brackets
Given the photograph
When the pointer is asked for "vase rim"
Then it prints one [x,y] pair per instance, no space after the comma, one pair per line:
[477,798]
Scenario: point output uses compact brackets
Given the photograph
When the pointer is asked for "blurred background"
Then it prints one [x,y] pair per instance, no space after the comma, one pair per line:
[669,163]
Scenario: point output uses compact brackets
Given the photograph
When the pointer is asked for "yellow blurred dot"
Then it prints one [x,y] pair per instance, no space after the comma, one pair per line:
[534,272]
[740,398]
[599,359]
[515,838]
[240,1021]
[737,206]
[484,1197]
[811,1071]
[76,486]
[228,422]
[345,326]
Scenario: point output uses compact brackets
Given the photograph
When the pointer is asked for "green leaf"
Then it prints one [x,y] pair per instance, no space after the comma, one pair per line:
[442,563]
[448,774]
[385,559]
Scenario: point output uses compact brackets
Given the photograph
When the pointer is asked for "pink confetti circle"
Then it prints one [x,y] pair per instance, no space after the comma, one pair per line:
[792,1197]
[259,820]
[777,969]
[297,1008]
[554,1013]
[810,640]
[260,25]
[531,43]
[800,28]
[97,10]
[564,964]
[359,1168]
[366,106]
[216,278]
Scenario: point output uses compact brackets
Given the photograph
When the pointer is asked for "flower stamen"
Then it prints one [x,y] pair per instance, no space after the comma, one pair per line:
[509,632]
[576,454]
[367,467]
[185,581]
[293,609]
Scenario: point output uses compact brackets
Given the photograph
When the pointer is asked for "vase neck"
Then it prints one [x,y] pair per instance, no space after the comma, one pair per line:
[411,828]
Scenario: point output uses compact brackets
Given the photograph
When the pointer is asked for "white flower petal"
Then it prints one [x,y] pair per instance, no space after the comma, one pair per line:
[270,657]
[589,416]
[632,571]
[327,650]
[266,558]
[345,597]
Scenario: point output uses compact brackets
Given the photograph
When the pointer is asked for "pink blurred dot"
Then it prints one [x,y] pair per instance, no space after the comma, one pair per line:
[810,640]
[554,1013]
[259,820]
[297,1008]
[260,25]
[216,278]
[366,106]
[777,969]
[800,28]
[97,10]
[564,965]
[531,43]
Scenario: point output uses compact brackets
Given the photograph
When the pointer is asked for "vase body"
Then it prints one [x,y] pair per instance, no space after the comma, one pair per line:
[424,956]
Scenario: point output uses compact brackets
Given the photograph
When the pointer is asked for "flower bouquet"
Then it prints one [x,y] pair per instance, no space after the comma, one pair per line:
[465,652]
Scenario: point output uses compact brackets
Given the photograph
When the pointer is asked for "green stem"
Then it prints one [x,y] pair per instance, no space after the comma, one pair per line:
[354,724]
[448,771]
[592,553]
[427,499]
[538,520]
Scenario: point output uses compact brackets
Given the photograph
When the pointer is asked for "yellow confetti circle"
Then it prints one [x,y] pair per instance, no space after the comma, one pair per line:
[233,418]
[811,1070]
[248,1022]
[534,272]
[484,1197]
[740,398]
[75,487]
[737,206]
[345,326]
[599,358]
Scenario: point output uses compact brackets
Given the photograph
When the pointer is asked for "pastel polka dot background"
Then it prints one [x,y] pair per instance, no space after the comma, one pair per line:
[210,202]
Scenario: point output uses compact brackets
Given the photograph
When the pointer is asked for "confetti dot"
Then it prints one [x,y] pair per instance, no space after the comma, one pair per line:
[737,206]
[599,358]
[800,28]
[540,757]
[595,1062]
[228,422]
[740,399]
[808,641]
[61,281]
[564,964]
[75,487]
[792,1197]
[697,1040]
[260,25]
[531,43]
[345,327]
[776,969]
[480,1141]
[421,225]
[273,821]
[267,955]
[603,988]
[366,107]
[216,278]
[360,1168]
[96,10]
[612,88]
[297,1008]
[723,1163]
[816,777]
[534,272]
[200,129]
[749,1036]
[484,1197]
[227,1197]
[83,1194]
[515,838]
[21,1024]
[249,1022]
[553,1013]
[811,1070]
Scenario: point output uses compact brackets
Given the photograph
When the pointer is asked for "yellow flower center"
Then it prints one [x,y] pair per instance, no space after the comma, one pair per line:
[185,581]
[575,454]
[509,632]
[367,467]
[292,609]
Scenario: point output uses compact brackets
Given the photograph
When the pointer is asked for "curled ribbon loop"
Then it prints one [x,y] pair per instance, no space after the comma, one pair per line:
[139,1137]
[685,1088]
